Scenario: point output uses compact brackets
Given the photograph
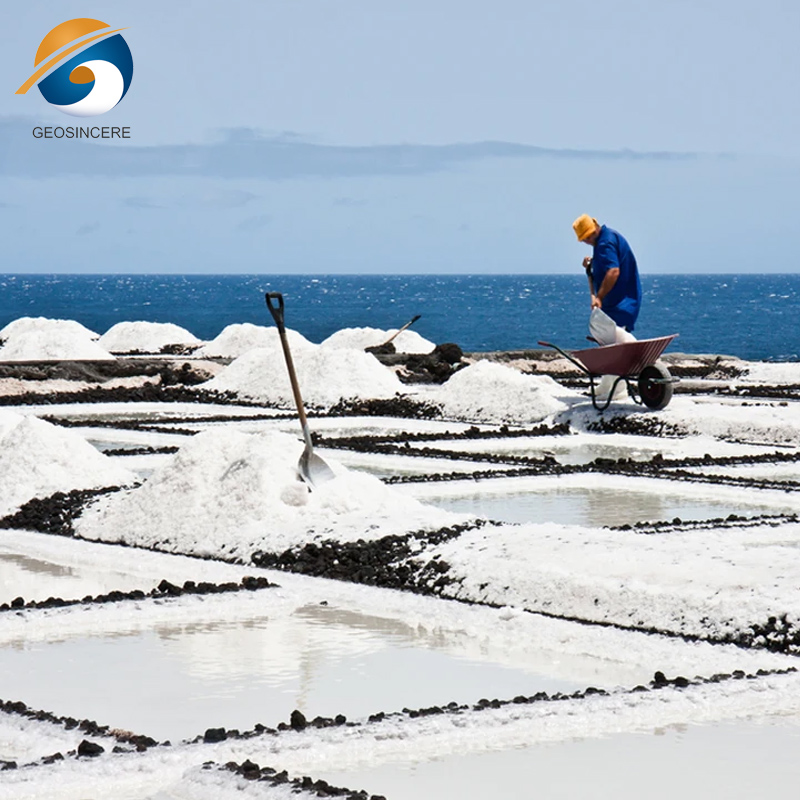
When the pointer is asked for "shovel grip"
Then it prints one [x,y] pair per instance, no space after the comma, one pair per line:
[275,310]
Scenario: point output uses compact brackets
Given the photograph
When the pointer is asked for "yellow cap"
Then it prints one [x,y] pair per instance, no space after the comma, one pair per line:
[585,226]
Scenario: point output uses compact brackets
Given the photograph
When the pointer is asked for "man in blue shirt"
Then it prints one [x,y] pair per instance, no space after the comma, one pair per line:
[616,288]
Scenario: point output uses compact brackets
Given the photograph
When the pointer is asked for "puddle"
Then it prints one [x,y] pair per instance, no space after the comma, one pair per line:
[586,447]
[736,761]
[37,579]
[772,472]
[564,449]
[36,566]
[174,682]
[386,466]
[592,507]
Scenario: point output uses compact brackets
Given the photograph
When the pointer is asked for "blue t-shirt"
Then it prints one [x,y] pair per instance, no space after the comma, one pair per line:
[623,301]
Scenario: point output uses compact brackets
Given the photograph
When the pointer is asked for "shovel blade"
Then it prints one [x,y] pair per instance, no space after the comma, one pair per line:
[313,469]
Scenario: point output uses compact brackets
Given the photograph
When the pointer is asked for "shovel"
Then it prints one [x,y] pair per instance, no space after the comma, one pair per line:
[398,332]
[313,469]
[385,348]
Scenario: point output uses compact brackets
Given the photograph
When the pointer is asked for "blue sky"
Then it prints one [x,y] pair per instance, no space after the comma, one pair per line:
[350,135]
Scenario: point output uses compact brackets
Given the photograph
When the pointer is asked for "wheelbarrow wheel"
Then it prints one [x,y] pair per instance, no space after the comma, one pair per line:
[655,386]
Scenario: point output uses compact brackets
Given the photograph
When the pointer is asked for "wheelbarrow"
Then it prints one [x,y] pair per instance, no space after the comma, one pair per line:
[648,382]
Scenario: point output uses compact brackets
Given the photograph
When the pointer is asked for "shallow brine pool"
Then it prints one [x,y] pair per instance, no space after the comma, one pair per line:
[595,507]
[174,682]
[736,761]
[34,578]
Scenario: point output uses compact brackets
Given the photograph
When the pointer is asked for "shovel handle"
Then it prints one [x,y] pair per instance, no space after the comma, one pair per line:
[275,310]
[277,315]
[405,327]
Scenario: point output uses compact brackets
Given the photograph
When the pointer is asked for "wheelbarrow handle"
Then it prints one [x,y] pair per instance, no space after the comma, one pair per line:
[566,355]
[275,310]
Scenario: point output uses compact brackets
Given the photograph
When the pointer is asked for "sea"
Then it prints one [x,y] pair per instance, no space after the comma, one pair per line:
[755,317]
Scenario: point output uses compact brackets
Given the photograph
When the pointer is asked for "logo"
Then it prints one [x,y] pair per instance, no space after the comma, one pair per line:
[89,83]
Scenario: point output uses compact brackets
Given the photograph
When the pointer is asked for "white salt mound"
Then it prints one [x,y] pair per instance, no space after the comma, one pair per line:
[487,392]
[8,420]
[144,337]
[41,339]
[325,375]
[38,459]
[230,493]
[25,325]
[360,338]
[236,340]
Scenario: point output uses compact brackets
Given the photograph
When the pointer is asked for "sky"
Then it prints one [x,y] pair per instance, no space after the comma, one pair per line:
[437,136]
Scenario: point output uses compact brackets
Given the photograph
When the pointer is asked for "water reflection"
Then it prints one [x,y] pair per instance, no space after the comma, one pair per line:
[32,565]
[38,578]
[176,681]
[592,507]
[737,761]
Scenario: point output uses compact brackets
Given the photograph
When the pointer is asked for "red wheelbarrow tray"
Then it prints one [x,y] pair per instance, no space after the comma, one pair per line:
[627,358]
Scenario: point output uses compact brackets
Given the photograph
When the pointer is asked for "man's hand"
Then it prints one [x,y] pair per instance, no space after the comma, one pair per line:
[587,262]
[596,302]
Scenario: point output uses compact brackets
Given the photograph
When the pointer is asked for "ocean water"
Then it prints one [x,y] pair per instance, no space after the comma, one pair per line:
[750,316]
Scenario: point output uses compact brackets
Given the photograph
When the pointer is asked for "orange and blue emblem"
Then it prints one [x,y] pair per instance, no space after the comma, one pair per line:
[89,83]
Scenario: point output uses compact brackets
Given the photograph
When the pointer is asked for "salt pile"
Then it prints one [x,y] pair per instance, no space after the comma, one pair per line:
[145,337]
[236,340]
[228,493]
[41,339]
[325,375]
[38,459]
[361,338]
[487,392]
[25,325]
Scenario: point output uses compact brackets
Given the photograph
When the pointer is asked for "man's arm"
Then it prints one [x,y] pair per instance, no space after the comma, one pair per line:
[606,286]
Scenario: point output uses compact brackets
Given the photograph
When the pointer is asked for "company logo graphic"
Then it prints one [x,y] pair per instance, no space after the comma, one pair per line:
[89,83]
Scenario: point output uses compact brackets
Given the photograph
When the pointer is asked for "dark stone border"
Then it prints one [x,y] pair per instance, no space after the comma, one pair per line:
[148,424]
[717,523]
[147,393]
[298,721]
[650,425]
[140,451]
[392,562]
[656,467]
[400,562]
[56,513]
[251,771]
[400,406]
[365,442]
[164,589]
[134,741]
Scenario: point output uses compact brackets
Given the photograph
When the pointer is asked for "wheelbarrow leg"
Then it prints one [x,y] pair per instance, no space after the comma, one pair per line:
[602,405]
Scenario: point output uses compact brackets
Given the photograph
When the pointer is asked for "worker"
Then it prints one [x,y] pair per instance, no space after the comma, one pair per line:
[614,276]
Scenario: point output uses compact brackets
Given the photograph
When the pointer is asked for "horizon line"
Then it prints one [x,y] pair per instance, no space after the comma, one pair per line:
[576,272]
